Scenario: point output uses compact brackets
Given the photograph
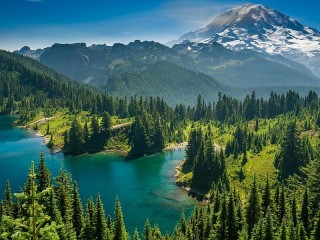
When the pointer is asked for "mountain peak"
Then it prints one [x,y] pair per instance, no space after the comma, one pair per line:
[257,27]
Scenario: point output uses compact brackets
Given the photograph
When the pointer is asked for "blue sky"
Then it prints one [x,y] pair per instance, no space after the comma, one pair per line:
[40,23]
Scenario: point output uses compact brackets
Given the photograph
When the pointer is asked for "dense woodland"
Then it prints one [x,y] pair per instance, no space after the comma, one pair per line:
[226,139]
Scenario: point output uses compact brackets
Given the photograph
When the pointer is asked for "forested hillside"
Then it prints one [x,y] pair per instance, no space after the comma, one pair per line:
[174,84]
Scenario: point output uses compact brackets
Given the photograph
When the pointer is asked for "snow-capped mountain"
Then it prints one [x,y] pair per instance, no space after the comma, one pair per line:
[257,27]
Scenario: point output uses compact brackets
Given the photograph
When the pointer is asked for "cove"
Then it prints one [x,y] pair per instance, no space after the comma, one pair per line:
[145,185]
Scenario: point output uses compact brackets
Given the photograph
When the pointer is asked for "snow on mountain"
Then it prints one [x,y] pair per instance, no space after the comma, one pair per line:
[259,28]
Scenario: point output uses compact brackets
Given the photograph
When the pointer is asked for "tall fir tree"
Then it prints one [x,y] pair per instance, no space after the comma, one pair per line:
[253,207]
[77,213]
[231,220]
[266,197]
[101,230]
[304,216]
[63,192]
[43,175]
[119,227]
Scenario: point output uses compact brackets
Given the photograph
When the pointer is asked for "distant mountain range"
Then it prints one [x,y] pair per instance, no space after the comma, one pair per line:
[249,47]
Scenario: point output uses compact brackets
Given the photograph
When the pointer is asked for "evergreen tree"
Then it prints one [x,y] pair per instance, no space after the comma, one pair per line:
[42,174]
[221,226]
[253,207]
[136,235]
[77,213]
[140,139]
[198,170]
[6,206]
[183,224]
[257,231]
[119,227]
[194,142]
[266,197]
[63,194]
[256,126]
[290,157]
[304,216]
[147,233]
[282,205]
[88,231]
[158,136]
[86,134]
[283,232]
[302,234]
[269,226]
[316,231]
[95,133]
[75,138]
[101,231]
[294,211]
[231,220]
[51,208]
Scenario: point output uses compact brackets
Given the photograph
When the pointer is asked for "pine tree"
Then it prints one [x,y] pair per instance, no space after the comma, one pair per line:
[282,205]
[302,234]
[119,227]
[283,232]
[88,231]
[312,171]
[290,158]
[183,224]
[106,122]
[316,231]
[257,231]
[269,226]
[239,218]
[95,133]
[156,233]
[147,233]
[304,216]
[101,231]
[42,174]
[256,126]
[266,197]
[231,220]
[253,207]
[63,194]
[136,235]
[7,202]
[51,208]
[221,227]
[158,136]
[294,211]
[86,135]
[77,213]
[192,149]
[140,139]
[199,170]
[75,138]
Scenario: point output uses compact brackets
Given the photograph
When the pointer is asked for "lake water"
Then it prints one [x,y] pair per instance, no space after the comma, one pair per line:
[145,186]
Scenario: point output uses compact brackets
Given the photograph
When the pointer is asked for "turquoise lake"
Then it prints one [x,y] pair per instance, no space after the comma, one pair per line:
[145,186]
